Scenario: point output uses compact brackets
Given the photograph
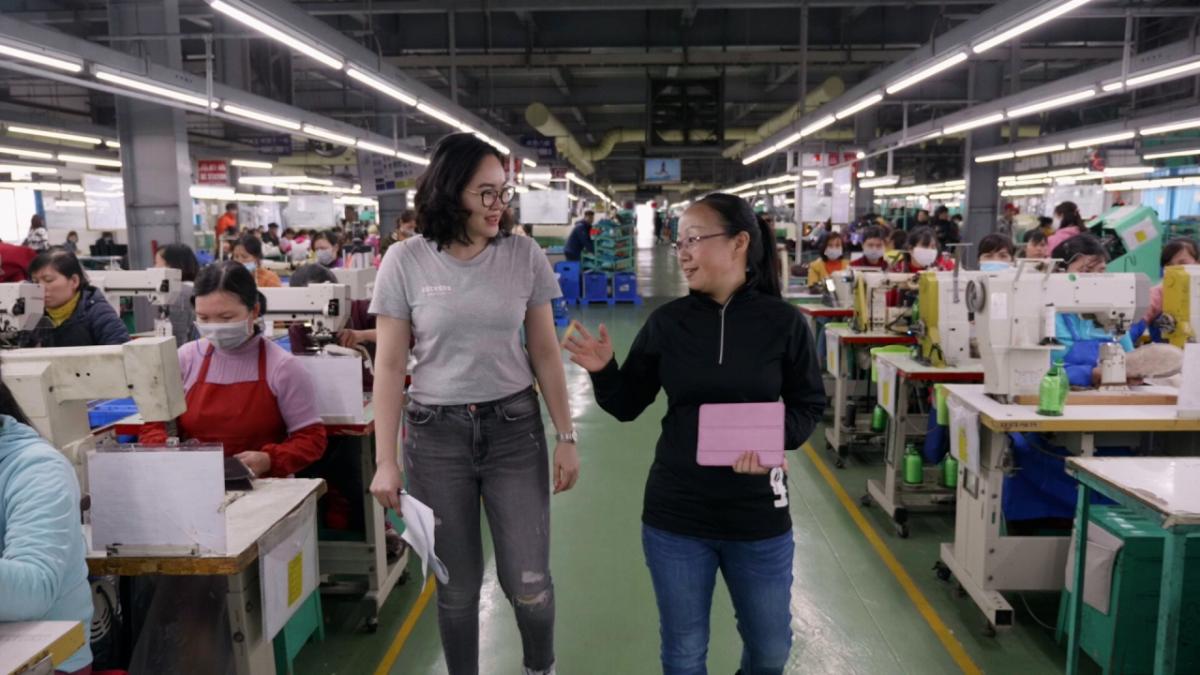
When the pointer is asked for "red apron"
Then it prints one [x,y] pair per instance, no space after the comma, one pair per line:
[242,416]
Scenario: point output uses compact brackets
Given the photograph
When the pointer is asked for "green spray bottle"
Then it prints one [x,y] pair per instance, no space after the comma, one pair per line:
[1051,399]
[914,472]
[950,471]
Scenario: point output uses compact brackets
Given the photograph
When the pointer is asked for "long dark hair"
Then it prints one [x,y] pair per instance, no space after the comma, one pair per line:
[181,257]
[1070,215]
[232,278]
[63,261]
[762,261]
[441,217]
[10,407]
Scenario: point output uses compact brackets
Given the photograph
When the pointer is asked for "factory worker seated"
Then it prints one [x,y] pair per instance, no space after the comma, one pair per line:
[996,253]
[1178,251]
[1080,336]
[243,390]
[77,315]
[43,575]
[359,332]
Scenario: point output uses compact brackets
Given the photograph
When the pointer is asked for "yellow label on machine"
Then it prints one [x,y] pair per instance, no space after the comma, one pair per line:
[295,579]
[962,445]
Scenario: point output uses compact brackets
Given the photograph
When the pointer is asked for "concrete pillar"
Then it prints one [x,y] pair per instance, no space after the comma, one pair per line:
[391,205]
[865,123]
[156,168]
[983,194]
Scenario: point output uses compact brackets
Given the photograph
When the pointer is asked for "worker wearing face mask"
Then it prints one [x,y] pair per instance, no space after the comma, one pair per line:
[243,390]
[248,252]
[874,248]
[327,249]
[995,253]
[923,254]
[832,248]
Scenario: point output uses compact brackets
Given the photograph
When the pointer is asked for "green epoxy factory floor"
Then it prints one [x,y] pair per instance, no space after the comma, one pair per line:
[851,611]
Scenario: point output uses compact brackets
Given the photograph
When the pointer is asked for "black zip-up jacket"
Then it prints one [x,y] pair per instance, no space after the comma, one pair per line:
[755,349]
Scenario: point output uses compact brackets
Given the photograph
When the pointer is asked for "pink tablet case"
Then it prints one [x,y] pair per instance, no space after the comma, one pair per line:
[730,429]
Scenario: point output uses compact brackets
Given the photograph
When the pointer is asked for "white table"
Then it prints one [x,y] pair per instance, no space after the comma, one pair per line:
[38,647]
[891,494]
[984,562]
[844,344]
[1163,489]
[248,520]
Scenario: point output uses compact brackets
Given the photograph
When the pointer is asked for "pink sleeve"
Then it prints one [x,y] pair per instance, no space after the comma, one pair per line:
[1156,303]
[191,355]
[1061,236]
[294,392]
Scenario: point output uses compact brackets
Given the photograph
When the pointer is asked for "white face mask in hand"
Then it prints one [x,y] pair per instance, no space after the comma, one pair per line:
[225,336]
[924,256]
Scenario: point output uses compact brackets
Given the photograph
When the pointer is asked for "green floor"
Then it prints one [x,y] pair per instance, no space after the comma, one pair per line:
[850,613]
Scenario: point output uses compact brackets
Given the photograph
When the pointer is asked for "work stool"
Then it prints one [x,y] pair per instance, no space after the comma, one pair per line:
[306,624]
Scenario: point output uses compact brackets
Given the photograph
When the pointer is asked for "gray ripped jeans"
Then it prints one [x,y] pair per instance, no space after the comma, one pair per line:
[455,456]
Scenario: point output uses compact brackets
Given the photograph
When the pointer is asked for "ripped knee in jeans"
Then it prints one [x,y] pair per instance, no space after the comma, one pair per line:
[535,590]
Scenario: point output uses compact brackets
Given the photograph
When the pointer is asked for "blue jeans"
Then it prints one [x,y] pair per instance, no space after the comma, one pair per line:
[759,577]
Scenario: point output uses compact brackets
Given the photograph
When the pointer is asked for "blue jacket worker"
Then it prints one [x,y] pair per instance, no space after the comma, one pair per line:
[580,239]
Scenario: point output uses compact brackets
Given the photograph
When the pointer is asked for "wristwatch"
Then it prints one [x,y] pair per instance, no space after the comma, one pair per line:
[572,438]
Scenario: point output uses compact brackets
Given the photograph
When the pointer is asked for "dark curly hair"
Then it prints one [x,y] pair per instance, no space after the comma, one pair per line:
[441,217]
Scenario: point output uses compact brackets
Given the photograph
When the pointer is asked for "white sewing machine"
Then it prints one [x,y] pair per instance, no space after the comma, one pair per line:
[1015,320]
[1180,318]
[839,289]
[53,386]
[361,281]
[21,308]
[943,328]
[324,307]
[871,311]
[160,285]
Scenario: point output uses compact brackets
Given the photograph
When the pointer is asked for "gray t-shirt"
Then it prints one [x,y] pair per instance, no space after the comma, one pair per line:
[466,316]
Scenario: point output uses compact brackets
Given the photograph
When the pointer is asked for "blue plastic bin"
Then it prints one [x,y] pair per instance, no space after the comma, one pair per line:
[625,288]
[568,280]
[595,287]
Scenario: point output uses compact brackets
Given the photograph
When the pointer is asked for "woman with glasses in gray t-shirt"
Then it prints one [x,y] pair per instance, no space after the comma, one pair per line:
[464,289]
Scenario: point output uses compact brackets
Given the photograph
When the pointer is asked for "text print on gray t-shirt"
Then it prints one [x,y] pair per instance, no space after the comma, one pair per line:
[466,315]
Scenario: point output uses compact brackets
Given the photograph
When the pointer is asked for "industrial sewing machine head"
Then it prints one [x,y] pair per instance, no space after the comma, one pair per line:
[943,327]
[160,285]
[361,281]
[838,289]
[21,308]
[883,301]
[54,386]
[323,308]
[1015,321]
[1180,318]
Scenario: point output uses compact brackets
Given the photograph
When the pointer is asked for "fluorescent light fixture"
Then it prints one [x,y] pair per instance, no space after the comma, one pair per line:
[1173,153]
[379,85]
[1023,192]
[1113,86]
[88,159]
[27,168]
[994,157]
[818,125]
[974,124]
[791,138]
[758,155]
[251,197]
[862,104]
[860,154]
[44,186]
[252,164]
[529,162]
[26,154]
[1115,171]
[439,115]
[271,180]
[1150,131]
[1048,104]
[1163,74]
[42,59]
[304,46]
[1151,184]
[1101,140]
[265,118]
[356,201]
[1041,16]
[211,192]
[69,203]
[309,180]
[521,189]
[572,197]
[327,135]
[156,89]
[925,137]
[58,135]
[881,181]
[1029,152]
[926,73]
[376,148]
[111,143]
[414,159]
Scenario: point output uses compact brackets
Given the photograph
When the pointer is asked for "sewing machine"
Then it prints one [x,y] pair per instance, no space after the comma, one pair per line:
[21,308]
[160,285]
[1180,318]
[838,290]
[53,386]
[1015,321]
[944,327]
[361,281]
[325,308]
[1132,237]
[871,311]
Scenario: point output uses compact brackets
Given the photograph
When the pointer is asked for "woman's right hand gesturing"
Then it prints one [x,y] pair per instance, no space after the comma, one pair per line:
[387,484]
[586,351]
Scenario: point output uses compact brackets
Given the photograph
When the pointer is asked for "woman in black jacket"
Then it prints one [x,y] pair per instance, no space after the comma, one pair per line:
[77,315]
[733,339]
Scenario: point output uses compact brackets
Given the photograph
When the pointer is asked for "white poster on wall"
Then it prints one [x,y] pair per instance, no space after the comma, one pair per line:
[840,195]
[545,207]
[105,199]
[1089,198]
[316,212]
[818,205]
[64,212]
